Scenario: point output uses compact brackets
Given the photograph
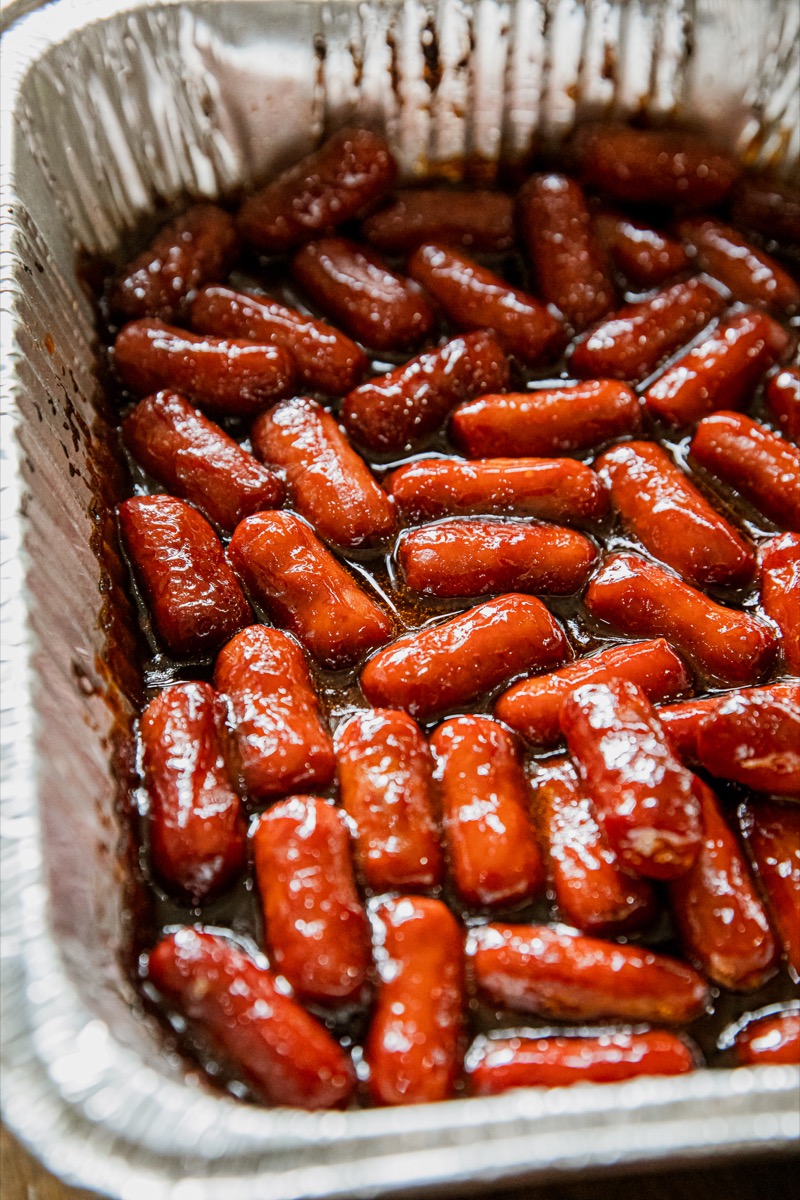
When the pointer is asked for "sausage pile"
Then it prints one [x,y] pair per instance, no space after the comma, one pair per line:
[467,528]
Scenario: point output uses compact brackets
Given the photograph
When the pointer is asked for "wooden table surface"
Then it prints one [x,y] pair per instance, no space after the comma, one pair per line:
[756,1179]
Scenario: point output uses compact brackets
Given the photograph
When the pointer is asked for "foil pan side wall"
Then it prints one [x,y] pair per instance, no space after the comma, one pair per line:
[109,107]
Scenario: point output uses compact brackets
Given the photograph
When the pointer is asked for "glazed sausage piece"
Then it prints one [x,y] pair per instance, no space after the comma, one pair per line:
[347,174]
[772,835]
[645,800]
[722,923]
[780,593]
[278,742]
[197,461]
[631,343]
[327,481]
[548,489]
[497,1064]
[682,722]
[198,247]
[197,830]
[591,890]
[230,378]
[193,595]
[475,298]
[641,599]
[671,518]
[773,1040]
[325,359]
[768,206]
[782,396]
[386,786]
[759,464]
[654,166]
[445,666]
[478,220]
[393,411]
[285,1056]
[547,421]
[479,557]
[749,274]
[355,287]
[532,707]
[645,256]
[533,968]
[413,1045]
[753,737]
[288,571]
[720,372]
[494,857]
[316,929]
[557,232]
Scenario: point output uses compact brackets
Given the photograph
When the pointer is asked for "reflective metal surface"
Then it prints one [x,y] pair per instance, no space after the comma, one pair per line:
[108,107]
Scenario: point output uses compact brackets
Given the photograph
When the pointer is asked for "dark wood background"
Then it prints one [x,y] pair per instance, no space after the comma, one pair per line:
[754,1179]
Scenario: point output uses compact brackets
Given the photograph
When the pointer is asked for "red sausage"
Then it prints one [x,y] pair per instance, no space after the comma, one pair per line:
[749,274]
[632,342]
[592,891]
[756,462]
[532,707]
[753,737]
[533,968]
[769,206]
[494,858]
[197,831]
[671,518]
[782,396]
[325,359]
[772,834]
[279,741]
[771,1040]
[347,174]
[722,923]
[682,721]
[547,421]
[450,664]
[479,557]
[780,593]
[393,411]
[497,1064]
[286,1056]
[198,247]
[304,589]
[356,288]
[645,256]
[646,801]
[640,598]
[193,595]
[475,298]
[316,928]
[197,461]
[328,483]
[549,489]
[478,220]
[231,378]
[720,372]
[413,1044]
[654,166]
[556,230]
[386,787]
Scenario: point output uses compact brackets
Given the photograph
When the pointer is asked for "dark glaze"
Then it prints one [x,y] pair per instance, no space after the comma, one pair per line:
[237,909]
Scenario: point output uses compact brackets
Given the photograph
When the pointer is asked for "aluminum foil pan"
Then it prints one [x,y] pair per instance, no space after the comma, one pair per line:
[109,107]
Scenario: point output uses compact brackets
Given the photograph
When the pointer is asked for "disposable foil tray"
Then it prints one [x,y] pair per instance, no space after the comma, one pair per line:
[108,110]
